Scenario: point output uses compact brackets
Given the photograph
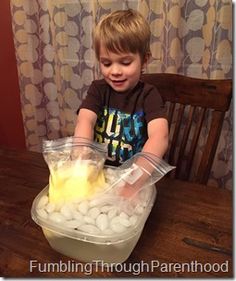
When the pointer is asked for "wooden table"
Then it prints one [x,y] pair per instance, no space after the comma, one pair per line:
[188,234]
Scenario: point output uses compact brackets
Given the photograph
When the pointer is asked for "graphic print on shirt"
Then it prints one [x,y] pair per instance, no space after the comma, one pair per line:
[124,133]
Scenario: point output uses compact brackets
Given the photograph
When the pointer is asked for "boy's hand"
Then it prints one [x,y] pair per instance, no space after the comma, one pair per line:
[128,190]
[134,178]
[81,152]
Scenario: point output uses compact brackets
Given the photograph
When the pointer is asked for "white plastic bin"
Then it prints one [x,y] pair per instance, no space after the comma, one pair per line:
[87,247]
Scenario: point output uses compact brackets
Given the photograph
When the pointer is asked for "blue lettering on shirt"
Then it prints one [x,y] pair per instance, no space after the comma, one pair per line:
[124,133]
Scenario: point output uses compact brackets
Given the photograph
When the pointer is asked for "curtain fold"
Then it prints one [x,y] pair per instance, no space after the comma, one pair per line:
[56,61]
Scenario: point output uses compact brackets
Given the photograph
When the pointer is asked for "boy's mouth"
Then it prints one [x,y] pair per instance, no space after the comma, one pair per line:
[118,82]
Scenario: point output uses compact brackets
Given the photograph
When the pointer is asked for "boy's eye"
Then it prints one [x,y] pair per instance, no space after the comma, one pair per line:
[106,63]
[126,62]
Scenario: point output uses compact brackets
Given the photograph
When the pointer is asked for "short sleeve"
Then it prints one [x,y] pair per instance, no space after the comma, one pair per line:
[154,106]
[93,100]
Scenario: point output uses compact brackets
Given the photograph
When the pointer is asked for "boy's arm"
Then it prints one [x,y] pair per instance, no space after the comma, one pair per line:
[156,144]
[158,136]
[85,124]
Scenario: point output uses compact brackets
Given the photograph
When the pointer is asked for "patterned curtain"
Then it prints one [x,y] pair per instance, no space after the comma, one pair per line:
[56,62]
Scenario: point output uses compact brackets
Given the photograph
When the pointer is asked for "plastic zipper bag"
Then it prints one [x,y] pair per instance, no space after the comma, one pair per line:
[76,168]
[135,176]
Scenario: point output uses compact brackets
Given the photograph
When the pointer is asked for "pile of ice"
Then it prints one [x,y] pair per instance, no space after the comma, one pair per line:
[105,214]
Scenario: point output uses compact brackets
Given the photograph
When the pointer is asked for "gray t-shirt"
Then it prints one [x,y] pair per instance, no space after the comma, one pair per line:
[123,117]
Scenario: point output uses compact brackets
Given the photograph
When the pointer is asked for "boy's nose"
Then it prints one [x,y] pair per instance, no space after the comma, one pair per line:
[116,70]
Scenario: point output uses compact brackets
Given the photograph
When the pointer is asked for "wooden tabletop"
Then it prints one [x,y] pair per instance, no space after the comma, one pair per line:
[188,233]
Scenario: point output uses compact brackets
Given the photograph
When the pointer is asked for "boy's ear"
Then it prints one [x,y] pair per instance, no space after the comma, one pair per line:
[145,61]
[146,58]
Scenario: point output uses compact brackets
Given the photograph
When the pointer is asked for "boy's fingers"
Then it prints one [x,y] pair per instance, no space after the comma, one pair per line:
[127,191]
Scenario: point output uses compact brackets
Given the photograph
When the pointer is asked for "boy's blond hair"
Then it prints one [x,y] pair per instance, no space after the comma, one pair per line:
[123,31]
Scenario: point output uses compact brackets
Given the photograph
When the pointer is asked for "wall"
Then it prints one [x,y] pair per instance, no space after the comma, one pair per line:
[11,124]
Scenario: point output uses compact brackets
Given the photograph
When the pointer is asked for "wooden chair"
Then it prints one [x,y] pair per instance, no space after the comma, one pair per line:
[189,101]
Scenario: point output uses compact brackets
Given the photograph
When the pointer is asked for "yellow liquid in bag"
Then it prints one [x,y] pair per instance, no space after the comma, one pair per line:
[74,181]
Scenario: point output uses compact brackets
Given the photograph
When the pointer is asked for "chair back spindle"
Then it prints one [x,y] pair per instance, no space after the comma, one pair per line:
[196,111]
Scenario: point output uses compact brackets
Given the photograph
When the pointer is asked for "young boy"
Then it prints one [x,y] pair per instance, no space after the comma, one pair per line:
[121,110]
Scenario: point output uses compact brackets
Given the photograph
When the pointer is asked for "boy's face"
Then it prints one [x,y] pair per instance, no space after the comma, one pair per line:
[121,71]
